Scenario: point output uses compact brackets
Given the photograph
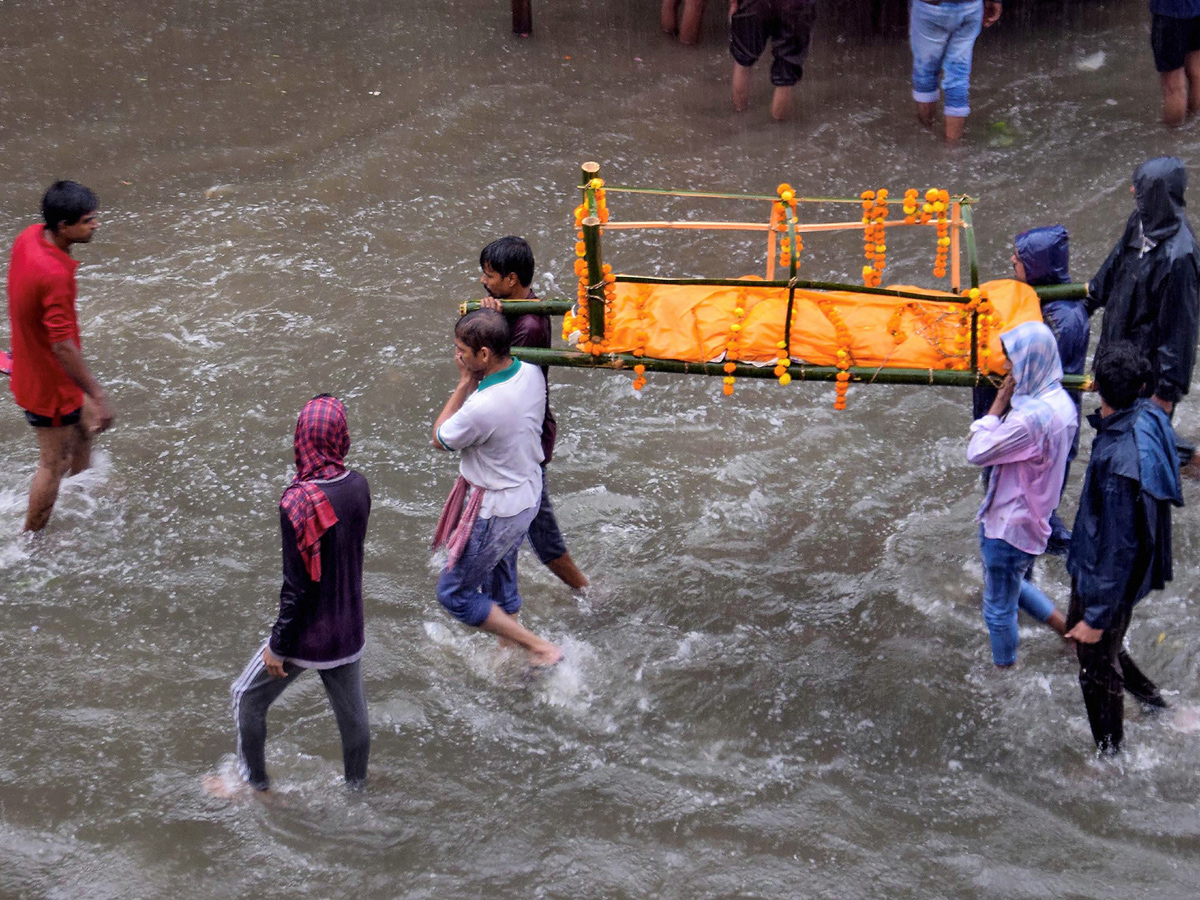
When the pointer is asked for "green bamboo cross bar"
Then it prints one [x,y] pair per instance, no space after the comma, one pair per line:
[799,372]
[1062,292]
[718,195]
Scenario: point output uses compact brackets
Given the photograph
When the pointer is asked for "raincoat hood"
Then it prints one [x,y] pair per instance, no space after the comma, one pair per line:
[1158,185]
[1045,255]
[1033,354]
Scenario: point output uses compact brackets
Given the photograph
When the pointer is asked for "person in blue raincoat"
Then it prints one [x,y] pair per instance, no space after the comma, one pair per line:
[1041,257]
[1121,549]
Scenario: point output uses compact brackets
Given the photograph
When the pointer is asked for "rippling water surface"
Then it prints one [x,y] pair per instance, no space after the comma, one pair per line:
[780,684]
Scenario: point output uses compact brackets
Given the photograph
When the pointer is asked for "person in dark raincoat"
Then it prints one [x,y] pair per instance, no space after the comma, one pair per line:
[1041,257]
[1121,549]
[1149,287]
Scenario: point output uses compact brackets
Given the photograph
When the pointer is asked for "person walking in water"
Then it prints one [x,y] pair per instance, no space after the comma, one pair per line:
[494,419]
[1025,438]
[52,384]
[1149,286]
[1040,258]
[507,265]
[323,518]
[1175,40]
[942,35]
[1121,549]
[788,25]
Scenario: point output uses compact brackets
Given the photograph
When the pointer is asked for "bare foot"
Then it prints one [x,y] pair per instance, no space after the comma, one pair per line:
[545,658]
[925,114]
[221,788]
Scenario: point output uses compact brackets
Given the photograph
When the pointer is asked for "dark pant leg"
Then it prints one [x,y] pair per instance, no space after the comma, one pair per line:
[1100,679]
[544,534]
[344,688]
[1136,682]
[253,693]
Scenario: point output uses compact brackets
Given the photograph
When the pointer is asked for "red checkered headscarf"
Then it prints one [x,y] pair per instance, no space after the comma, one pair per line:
[321,442]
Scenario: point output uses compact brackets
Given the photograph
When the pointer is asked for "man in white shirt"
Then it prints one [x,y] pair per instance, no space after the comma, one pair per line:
[494,418]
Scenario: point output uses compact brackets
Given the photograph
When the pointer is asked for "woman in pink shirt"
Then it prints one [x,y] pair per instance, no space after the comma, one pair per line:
[1024,439]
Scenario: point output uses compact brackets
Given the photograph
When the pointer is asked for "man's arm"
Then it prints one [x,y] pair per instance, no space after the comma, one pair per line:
[991,12]
[292,595]
[1178,329]
[1103,585]
[464,389]
[1100,285]
[71,360]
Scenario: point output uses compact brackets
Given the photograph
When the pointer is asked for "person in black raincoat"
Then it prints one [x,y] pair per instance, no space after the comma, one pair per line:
[1121,548]
[1149,286]
[1041,257]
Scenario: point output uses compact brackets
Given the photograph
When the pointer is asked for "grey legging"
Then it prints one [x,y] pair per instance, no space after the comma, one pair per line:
[255,690]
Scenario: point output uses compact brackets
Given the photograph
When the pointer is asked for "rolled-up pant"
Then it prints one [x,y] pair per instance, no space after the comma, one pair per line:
[254,692]
[1106,671]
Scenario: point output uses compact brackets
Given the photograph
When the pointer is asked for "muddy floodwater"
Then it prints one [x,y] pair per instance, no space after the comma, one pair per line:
[780,684]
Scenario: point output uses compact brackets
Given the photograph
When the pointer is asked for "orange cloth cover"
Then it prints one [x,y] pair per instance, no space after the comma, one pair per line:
[691,323]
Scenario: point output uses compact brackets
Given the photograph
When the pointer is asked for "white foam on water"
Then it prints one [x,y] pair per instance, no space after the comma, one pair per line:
[1092,62]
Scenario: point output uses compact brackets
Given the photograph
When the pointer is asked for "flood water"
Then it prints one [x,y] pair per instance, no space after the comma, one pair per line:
[780,684]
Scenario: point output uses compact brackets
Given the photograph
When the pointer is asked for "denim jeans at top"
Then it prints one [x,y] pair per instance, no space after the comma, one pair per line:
[943,39]
[1004,590]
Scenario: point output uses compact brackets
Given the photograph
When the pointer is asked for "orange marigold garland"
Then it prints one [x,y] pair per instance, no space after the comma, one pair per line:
[733,344]
[937,203]
[845,357]
[875,212]
[787,197]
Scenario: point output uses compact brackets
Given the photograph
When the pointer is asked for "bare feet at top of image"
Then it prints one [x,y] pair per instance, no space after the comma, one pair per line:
[925,113]
[741,88]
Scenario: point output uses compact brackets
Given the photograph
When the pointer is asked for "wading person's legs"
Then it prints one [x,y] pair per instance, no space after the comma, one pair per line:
[344,688]
[547,541]
[253,693]
[956,82]
[55,448]
[480,590]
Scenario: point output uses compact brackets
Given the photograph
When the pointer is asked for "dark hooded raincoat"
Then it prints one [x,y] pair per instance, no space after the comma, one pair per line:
[1149,286]
[1121,549]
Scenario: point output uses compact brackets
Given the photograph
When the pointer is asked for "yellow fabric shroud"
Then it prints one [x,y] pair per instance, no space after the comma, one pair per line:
[692,323]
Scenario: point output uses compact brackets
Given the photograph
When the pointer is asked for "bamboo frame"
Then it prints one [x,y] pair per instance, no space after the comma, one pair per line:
[798,371]
[556,306]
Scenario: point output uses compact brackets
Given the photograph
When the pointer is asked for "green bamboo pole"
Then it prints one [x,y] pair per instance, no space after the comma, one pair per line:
[1062,292]
[803,285]
[717,195]
[591,244]
[973,261]
[793,262]
[552,306]
[799,372]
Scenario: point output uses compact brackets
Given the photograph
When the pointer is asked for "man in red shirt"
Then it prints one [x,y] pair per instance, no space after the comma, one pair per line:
[51,382]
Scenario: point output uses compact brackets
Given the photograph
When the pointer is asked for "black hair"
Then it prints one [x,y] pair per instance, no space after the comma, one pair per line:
[485,328]
[1122,373]
[66,202]
[509,254]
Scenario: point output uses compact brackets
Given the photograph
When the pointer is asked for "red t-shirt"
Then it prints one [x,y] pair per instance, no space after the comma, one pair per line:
[41,310]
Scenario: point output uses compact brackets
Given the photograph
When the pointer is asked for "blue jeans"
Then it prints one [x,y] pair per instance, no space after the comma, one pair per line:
[943,39]
[1004,590]
[486,573]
